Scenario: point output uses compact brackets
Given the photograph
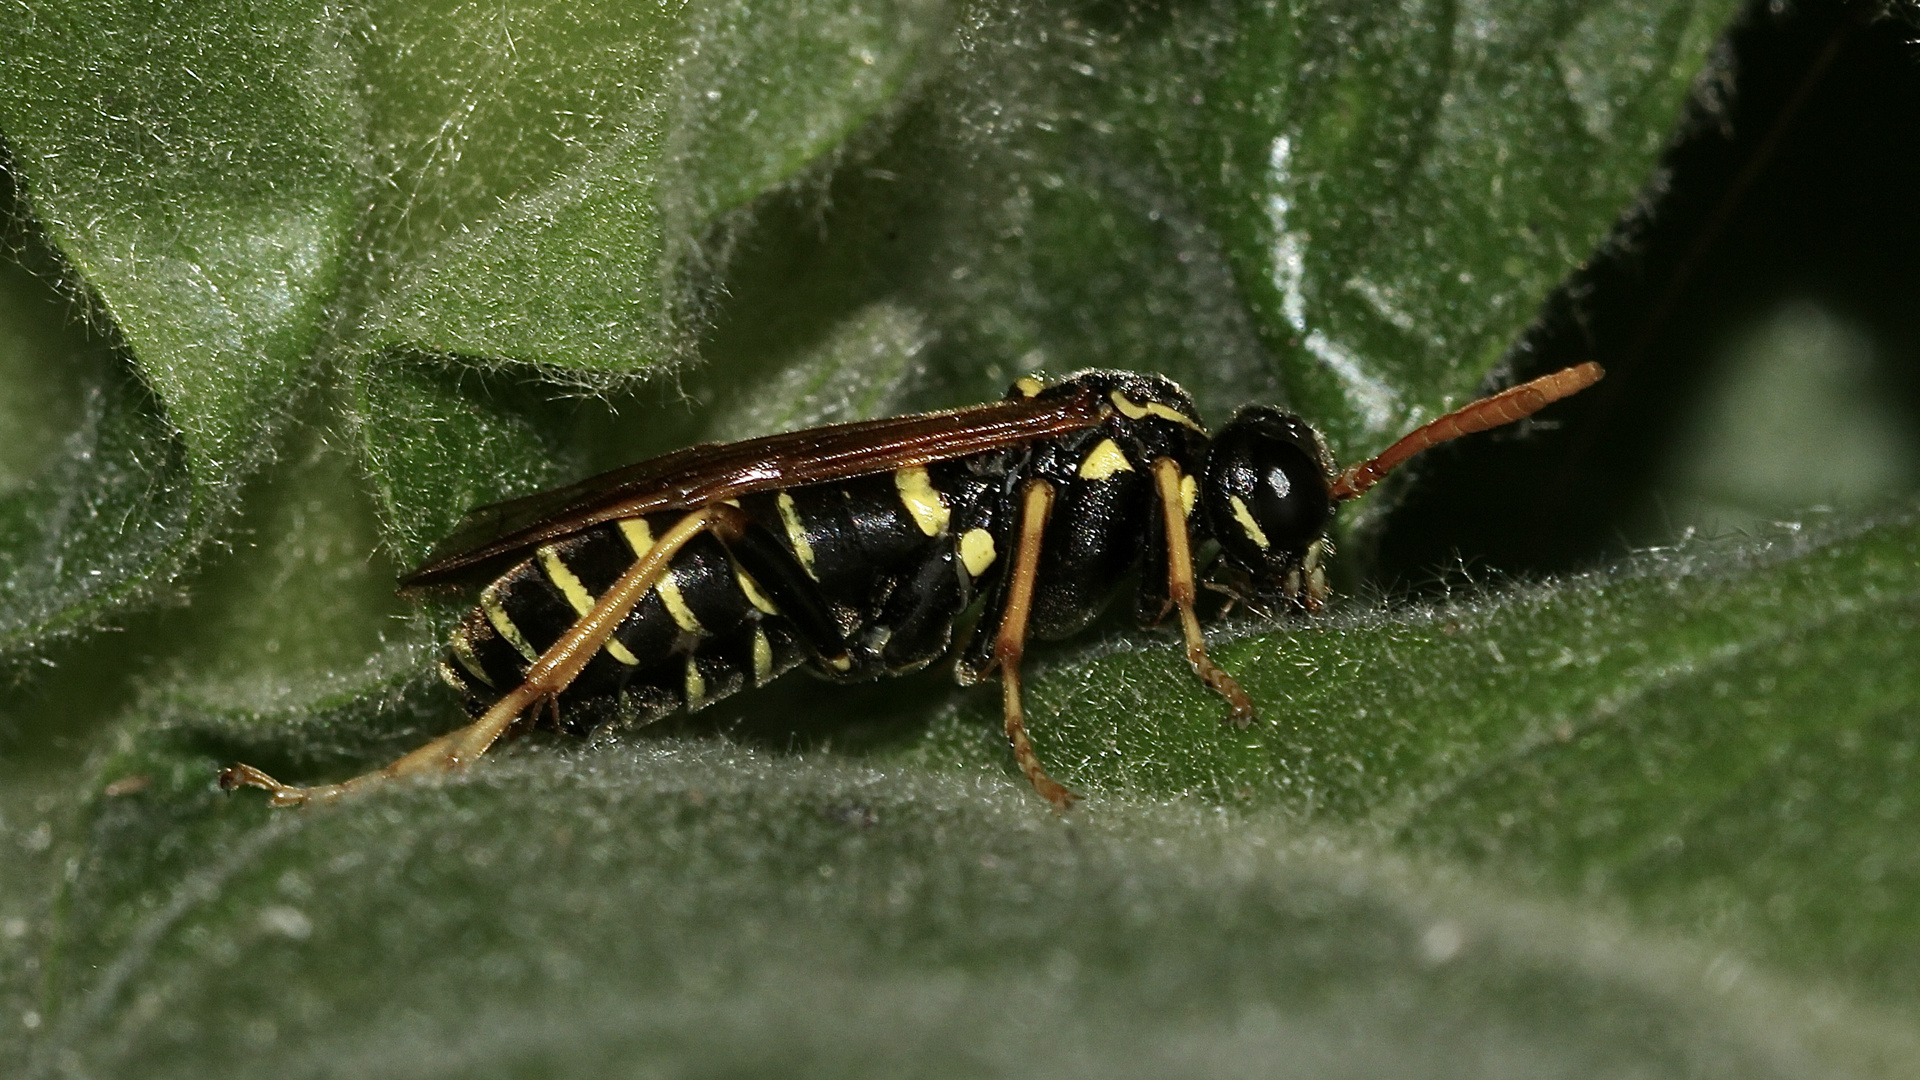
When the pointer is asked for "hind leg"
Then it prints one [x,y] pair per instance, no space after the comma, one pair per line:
[552,673]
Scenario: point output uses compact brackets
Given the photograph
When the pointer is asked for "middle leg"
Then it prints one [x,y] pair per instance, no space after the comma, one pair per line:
[1036,504]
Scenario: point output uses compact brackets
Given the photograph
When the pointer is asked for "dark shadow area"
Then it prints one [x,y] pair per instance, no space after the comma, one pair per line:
[1790,183]
[84,452]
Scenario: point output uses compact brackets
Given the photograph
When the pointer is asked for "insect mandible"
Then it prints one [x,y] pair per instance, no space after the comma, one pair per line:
[855,548]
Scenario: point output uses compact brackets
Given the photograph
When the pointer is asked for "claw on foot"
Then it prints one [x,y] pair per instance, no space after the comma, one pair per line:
[448,753]
[279,794]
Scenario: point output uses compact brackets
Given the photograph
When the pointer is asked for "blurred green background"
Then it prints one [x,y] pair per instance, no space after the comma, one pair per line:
[1605,764]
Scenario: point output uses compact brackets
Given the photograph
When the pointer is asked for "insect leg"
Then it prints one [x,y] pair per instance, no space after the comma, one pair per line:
[1036,501]
[1180,590]
[550,674]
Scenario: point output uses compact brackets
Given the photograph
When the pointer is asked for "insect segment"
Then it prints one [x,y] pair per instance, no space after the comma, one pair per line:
[854,549]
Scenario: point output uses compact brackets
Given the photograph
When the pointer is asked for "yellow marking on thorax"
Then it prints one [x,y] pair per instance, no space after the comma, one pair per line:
[696,685]
[751,589]
[1247,525]
[1105,459]
[461,644]
[1135,410]
[796,533]
[503,623]
[762,656]
[1189,495]
[977,551]
[1028,386]
[579,598]
[640,539]
[929,510]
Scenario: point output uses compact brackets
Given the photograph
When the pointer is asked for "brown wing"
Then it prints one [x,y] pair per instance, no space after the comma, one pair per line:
[491,535]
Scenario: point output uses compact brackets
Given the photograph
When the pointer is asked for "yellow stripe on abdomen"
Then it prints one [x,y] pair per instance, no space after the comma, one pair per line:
[751,589]
[578,598]
[461,645]
[796,533]
[762,656]
[696,688]
[640,539]
[503,623]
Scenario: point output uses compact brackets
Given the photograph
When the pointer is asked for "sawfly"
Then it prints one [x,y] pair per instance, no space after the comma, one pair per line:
[854,549]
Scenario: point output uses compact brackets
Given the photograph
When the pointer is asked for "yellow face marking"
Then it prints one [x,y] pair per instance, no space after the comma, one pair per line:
[842,662]
[1189,495]
[977,551]
[1028,386]
[796,533]
[1247,525]
[1135,410]
[762,657]
[696,685]
[640,539]
[1105,459]
[929,510]
[751,588]
[461,643]
[503,623]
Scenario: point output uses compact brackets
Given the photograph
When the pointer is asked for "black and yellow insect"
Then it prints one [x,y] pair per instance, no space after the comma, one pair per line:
[855,549]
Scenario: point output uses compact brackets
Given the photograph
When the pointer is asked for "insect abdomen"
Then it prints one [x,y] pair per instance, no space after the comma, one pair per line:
[863,577]
[693,639]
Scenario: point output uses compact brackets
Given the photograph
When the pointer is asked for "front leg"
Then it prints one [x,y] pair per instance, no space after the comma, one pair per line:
[1180,592]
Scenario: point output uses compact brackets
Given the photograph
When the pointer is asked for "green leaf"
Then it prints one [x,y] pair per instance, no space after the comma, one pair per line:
[1353,211]
[1649,821]
[187,163]
[196,166]
[507,235]
[93,488]
[1398,189]
[614,892]
[1718,737]
[704,909]
[771,86]
[249,190]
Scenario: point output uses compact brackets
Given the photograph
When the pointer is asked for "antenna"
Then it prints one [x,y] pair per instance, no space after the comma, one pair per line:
[1505,407]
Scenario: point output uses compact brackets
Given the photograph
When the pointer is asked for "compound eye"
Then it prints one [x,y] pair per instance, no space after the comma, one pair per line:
[1266,490]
